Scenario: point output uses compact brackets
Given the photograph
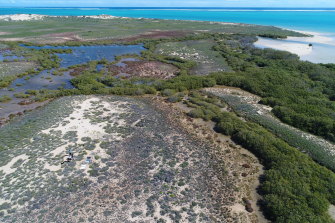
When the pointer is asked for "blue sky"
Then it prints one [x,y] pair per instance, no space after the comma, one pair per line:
[169,3]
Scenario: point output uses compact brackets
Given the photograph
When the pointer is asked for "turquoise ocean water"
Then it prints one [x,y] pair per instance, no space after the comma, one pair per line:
[319,20]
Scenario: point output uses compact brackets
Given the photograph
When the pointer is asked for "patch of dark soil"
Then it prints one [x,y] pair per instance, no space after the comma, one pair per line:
[78,70]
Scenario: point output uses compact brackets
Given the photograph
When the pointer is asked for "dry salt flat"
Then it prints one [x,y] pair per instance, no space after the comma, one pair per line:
[207,60]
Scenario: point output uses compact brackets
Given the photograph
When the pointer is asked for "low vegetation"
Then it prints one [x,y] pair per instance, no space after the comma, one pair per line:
[292,180]
[199,51]
[5,98]
[34,62]
[53,29]
[301,93]
[246,105]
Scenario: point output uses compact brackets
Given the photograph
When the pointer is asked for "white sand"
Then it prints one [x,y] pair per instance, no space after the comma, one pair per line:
[30,17]
[21,17]
[83,125]
[7,169]
[102,17]
[238,208]
[315,38]
[300,49]
[331,211]
[227,23]
[52,168]
[300,45]
[80,122]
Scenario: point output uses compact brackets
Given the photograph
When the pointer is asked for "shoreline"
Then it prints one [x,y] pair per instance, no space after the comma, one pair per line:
[318,47]
[313,37]
[33,17]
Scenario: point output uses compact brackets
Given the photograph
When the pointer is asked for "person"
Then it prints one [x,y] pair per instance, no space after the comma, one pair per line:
[69,157]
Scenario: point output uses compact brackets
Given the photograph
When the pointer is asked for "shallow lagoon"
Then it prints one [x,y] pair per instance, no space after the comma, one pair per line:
[46,80]
[84,54]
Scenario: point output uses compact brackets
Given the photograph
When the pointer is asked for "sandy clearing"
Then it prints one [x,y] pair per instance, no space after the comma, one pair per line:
[238,208]
[79,121]
[59,150]
[332,211]
[301,49]
[7,169]
[52,168]
[84,127]
[88,118]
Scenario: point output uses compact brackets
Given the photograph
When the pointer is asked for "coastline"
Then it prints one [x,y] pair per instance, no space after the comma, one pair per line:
[31,17]
[314,37]
[316,48]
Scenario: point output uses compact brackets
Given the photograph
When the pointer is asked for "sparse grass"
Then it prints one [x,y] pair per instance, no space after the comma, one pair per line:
[200,51]
[14,68]
[88,28]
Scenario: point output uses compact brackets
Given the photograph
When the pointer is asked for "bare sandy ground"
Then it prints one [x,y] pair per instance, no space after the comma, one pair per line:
[317,47]
[21,17]
[332,211]
[301,49]
[150,164]
[30,17]
[314,37]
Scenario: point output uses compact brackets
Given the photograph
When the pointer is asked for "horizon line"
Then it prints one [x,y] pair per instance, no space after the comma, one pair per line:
[174,7]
